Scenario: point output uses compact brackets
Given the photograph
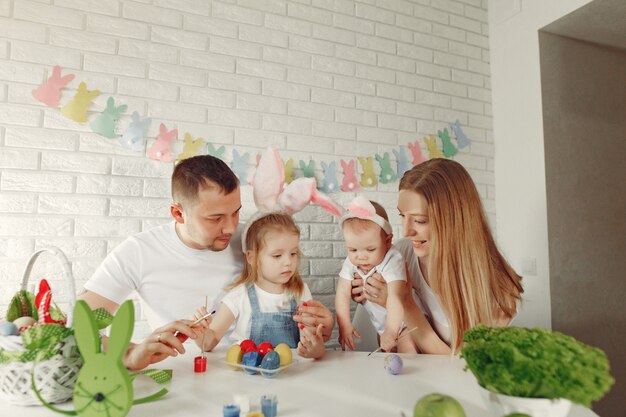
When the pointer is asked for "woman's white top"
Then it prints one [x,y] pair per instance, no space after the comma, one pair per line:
[426,299]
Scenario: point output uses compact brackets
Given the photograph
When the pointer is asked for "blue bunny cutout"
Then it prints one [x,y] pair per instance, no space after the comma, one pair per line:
[461,139]
[240,165]
[134,135]
[402,162]
[330,184]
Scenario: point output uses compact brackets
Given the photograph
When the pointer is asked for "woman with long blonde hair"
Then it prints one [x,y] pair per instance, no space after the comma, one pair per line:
[459,276]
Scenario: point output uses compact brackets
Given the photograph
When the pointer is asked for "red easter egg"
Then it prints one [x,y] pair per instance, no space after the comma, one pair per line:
[264,347]
[248,346]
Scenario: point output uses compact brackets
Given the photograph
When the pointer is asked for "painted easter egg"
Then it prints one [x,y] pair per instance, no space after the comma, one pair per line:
[248,346]
[393,364]
[251,359]
[264,347]
[270,362]
[24,321]
[234,355]
[284,351]
[8,329]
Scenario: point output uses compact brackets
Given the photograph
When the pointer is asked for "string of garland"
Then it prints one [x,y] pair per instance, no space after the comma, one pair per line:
[134,138]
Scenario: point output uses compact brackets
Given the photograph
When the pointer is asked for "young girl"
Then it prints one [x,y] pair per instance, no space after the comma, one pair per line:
[368,235]
[263,300]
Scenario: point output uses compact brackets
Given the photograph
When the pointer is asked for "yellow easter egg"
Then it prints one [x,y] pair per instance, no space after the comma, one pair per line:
[284,351]
[234,355]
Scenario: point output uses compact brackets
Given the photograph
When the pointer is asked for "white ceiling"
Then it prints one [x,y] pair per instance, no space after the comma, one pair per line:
[601,21]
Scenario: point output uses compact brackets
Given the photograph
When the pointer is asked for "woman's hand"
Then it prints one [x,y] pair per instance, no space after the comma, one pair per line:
[358,295]
[159,345]
[374,290]
[312,314]
[311,343]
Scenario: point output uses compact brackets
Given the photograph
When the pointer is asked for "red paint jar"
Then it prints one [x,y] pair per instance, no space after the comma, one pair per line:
[199,364]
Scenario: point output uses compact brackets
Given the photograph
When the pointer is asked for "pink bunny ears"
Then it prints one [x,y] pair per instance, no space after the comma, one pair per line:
[361,208]
[269,195]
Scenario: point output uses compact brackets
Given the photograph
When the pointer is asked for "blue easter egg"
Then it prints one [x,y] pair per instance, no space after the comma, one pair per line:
[393,364]
[270,362]
[8,329]
[251,359]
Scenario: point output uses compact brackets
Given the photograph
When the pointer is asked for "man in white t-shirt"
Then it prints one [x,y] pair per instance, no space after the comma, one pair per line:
[173,267]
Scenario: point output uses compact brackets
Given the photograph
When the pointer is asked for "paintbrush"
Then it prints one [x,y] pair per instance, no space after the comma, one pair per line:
[182,337]
[397,338]
[206,302]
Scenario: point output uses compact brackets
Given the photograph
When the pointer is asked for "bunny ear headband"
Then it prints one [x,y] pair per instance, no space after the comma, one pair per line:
[361,208]
[270,197]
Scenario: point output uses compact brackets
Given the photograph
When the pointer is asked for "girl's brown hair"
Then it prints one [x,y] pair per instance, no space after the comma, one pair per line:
[255,242]
[474,282]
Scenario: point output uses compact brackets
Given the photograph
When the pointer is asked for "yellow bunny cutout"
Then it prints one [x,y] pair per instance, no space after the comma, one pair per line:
[76,109]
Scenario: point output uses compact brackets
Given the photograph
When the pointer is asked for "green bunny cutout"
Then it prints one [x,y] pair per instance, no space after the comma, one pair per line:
[104,124]
[308,170]
[104,387]
[387,174]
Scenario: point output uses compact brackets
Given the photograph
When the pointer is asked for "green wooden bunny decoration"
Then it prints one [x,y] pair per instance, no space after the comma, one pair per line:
[104,387]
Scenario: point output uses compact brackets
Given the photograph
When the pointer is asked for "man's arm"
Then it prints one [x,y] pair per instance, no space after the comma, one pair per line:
[94,301]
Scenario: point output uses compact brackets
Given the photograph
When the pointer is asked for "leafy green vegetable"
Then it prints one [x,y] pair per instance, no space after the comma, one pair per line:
[536,363]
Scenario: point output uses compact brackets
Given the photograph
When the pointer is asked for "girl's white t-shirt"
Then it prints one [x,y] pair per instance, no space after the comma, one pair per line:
[238,303]
[426,299]
[170,278]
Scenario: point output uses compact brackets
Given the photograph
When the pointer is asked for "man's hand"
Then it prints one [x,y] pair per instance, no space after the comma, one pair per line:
[313,313]
[159,345]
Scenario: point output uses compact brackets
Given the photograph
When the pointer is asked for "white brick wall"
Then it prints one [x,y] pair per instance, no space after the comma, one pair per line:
[321,79]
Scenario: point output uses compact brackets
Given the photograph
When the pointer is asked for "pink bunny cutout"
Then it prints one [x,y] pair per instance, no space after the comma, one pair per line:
[418,156]
[161,150]
[270,195]
[49,93]
[349,181]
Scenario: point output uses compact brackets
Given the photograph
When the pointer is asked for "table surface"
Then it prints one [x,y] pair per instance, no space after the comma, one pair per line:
[340,384]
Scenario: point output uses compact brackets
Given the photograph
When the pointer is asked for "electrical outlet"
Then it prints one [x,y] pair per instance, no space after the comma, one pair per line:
[529,267]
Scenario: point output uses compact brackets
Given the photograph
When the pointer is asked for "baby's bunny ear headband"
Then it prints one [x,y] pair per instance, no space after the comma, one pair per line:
[270,197]
[361,208]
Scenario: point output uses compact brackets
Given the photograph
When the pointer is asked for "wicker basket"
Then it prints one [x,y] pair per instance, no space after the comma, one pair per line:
[55,377]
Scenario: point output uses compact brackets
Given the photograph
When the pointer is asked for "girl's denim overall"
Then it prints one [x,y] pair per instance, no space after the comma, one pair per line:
[275,328]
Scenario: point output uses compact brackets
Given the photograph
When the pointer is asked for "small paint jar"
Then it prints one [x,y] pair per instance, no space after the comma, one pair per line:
[199,364]
[269,405]
[255,414]
[231,410]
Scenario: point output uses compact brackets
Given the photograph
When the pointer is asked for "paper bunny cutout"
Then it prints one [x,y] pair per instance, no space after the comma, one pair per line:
[308,170]
[449,149]
[401,161]
[368,177]
[418,156]
[331,184]
[288,170]
[104,124]
[49,93]
[133,137]
[218,153]
[433,150]
[386,173]
[461,139]
[349,181]
[76,109]
[239,165]
[191,147]
[161,150]
[270,195]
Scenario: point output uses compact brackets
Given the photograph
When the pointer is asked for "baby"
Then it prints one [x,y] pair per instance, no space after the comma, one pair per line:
[368,235]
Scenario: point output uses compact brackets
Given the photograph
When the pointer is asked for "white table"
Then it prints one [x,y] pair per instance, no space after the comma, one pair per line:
[342,384]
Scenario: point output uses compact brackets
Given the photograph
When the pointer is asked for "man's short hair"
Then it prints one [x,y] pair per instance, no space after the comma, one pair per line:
[201,171]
